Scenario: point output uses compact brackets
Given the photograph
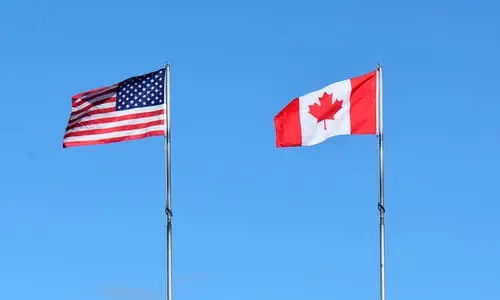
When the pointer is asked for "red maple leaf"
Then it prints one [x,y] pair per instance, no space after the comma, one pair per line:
[325,110]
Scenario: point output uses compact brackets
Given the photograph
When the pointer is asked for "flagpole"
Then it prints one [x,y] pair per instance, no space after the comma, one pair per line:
[381,207]
[168,204]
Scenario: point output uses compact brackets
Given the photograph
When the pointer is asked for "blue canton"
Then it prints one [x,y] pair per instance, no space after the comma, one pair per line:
[141,91]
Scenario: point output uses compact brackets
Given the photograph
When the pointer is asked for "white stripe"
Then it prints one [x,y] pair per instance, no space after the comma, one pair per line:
[119,113]
[98,92]
[113,134]
[115,124]
[90,102]
[100,106]
[314,132]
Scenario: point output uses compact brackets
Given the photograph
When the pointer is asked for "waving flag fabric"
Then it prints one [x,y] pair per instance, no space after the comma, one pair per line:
[344,107]
[131,109]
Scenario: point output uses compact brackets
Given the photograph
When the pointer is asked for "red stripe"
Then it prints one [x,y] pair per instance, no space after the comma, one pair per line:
[364,104]
[76,99]
[287,126]
[119,118]
[114,140]
[93,104]
[94,112]
[83,94]
[114,129]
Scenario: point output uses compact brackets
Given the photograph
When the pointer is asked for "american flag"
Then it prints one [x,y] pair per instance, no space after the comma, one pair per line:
[131,109]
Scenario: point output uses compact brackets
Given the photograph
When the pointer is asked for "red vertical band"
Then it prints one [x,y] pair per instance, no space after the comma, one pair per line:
[287,125]
[364,104]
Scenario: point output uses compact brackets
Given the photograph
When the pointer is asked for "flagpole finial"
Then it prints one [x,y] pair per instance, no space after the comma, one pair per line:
[379,66]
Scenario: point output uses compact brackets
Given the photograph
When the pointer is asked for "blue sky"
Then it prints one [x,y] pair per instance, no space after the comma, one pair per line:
[251,221]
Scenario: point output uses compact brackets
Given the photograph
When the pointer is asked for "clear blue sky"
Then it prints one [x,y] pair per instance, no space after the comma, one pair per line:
[251,221]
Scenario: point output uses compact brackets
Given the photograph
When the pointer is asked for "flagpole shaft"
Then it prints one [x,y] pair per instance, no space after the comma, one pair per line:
[168,204]
[381,207]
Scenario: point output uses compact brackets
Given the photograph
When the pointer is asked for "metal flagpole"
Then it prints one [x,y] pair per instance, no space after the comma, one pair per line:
[381,207]
[168,204]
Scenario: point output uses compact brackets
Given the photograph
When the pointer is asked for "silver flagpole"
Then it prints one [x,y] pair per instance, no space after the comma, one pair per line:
[168,204]
[381,207]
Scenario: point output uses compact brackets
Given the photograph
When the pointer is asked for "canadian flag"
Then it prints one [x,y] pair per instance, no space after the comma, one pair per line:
[344,107]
